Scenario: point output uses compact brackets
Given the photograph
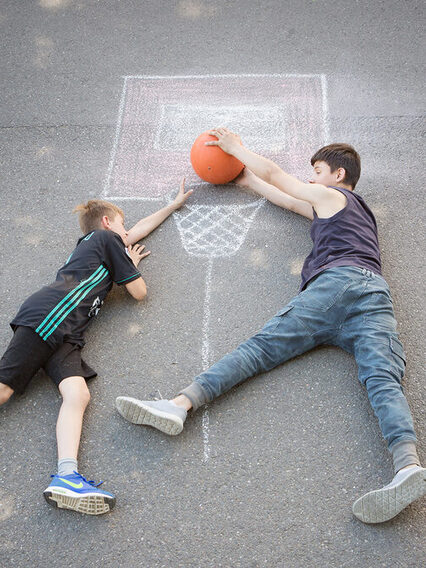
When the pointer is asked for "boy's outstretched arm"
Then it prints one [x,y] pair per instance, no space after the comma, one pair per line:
[269,171]
[145,226]
[273,194]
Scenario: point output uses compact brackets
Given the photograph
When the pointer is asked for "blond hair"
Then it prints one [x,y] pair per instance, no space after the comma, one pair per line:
[91,213]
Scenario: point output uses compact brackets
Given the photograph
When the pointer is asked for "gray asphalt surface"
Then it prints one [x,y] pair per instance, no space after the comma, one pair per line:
[290,450]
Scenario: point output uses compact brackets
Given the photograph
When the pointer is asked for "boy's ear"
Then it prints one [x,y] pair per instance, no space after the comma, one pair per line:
[105,223]
[341,173]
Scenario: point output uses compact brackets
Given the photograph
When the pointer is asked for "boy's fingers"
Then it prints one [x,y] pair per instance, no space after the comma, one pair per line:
[145,254]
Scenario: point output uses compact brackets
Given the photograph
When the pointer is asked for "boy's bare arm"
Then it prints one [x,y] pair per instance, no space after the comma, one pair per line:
[274,195]
[145,226]
[269,171]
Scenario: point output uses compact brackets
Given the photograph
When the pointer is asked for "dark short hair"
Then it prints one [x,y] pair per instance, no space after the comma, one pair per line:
[340,156]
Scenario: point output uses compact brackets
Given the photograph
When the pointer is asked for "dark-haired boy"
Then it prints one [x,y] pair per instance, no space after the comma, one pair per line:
[343,300]
[49,328]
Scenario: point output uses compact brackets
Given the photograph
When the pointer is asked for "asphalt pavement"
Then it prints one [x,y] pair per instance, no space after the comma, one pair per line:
[266,476]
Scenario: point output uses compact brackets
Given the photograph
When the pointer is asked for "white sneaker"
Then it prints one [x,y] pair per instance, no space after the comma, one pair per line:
[384,504]
[160,414]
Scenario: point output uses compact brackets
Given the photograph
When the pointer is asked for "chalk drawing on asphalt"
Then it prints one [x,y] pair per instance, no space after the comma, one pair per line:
[283,117]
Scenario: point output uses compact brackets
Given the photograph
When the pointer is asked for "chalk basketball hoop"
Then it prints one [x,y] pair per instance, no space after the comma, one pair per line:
[212,231]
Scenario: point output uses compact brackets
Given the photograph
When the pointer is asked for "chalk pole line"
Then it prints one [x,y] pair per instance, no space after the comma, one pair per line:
[205,350]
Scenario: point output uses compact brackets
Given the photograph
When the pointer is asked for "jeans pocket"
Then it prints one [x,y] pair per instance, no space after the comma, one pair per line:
[378,312]
[283,311]
[273,323]
[380,355]
[397,349]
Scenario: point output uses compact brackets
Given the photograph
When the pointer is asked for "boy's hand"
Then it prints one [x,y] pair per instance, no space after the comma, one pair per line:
[136,253]
[181,197]
[226,140]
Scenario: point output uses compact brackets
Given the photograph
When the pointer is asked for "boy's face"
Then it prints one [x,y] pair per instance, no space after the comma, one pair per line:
[323,175]
[117,225]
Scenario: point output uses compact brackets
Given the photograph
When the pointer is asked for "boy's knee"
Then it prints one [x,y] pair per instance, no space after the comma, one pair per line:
[85,396]
[5,393]
[79,397]
[75,392]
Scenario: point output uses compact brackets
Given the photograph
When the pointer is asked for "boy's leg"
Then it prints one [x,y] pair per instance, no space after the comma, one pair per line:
[69,372]
[69,489]
[282,338]
[75,398]
[381,365]
[381,368]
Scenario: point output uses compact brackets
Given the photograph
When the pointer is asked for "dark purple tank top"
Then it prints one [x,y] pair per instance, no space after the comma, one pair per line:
[348,238]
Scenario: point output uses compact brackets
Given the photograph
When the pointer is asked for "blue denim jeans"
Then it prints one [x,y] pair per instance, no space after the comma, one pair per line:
[349,307]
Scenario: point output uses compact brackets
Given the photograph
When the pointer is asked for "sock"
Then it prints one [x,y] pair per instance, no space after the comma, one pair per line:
[67,466]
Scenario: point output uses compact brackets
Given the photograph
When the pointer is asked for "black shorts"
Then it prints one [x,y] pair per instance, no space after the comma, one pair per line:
[27,353]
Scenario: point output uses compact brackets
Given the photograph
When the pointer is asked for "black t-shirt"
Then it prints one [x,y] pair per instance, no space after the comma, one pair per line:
[62,311]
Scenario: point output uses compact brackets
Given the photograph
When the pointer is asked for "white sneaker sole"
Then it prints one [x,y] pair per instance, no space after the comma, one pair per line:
[384,504]
[89,504]
[137,412]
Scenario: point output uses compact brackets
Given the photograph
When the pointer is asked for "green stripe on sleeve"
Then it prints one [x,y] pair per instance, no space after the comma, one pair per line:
[124,280]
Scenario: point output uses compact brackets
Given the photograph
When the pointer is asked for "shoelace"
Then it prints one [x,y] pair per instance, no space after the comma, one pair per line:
[89,481]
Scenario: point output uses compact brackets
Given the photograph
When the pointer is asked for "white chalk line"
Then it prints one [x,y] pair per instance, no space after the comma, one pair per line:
[205,348]
[205,355]
[324,91]
[254,75]
[122,198]
[116,139]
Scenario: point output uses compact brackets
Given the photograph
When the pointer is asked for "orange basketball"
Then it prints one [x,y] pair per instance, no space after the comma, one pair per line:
[211,163]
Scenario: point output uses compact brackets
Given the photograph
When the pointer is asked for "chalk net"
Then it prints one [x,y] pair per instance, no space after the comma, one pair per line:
[212,231]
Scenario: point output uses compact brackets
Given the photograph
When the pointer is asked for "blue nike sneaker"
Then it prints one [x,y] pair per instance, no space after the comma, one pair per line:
[78,494]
